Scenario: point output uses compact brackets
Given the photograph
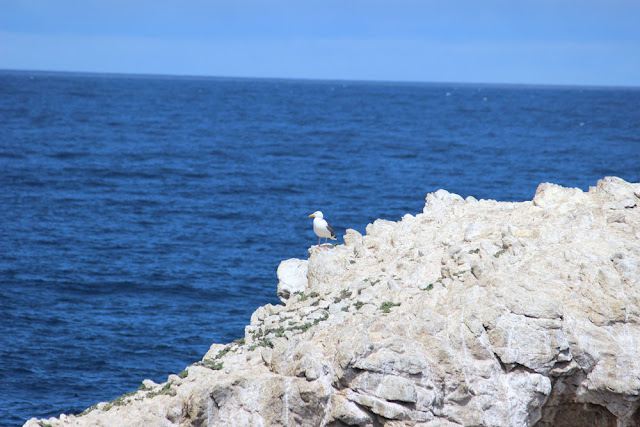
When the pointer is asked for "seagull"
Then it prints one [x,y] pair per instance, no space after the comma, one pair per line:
[322,228]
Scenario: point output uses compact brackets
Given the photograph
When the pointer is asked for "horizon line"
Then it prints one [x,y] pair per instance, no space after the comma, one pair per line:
[311,79]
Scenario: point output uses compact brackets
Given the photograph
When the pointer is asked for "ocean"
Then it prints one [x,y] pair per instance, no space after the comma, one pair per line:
[143,218]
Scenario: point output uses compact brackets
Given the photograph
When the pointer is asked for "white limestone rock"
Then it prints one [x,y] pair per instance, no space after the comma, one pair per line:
[474,312]
[292,278]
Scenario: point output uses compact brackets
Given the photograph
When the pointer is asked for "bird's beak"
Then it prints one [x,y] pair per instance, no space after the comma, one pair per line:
[310,215]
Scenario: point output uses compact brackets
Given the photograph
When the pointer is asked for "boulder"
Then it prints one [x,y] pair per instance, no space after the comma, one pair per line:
[292,278]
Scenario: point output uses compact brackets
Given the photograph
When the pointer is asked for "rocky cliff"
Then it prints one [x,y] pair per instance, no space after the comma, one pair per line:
[474,312]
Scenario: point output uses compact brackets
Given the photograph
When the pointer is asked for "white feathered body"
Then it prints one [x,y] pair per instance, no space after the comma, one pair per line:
[321,227]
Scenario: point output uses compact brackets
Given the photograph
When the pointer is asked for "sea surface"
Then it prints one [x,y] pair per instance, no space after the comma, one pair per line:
[143,218]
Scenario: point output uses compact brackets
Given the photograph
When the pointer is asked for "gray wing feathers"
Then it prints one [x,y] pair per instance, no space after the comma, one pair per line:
[333,233]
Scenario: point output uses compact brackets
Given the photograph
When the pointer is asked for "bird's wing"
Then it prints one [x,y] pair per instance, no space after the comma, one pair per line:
[333,233]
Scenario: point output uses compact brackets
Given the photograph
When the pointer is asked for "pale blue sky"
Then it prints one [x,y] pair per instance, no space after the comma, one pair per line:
[588,42]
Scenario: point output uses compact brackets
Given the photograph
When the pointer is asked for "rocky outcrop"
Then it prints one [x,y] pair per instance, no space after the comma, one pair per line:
[474,312]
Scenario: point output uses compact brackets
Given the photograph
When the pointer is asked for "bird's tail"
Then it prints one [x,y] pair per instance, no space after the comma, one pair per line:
[333,237]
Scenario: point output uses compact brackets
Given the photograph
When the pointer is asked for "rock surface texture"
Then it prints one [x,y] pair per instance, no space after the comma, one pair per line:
[474,313]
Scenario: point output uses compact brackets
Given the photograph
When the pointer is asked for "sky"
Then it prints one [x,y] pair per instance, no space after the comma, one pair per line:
[565,42]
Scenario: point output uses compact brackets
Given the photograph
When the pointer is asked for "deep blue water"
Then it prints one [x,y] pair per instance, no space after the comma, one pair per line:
[143,218]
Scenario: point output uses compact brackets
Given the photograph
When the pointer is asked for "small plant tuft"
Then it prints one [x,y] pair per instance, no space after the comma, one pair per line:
[119,401]
[223,352]
[265,342]
[500,252]
[166,389]
[324,317]
[278,331]
[211,364]
[301,296]
[346,293]
[358,305]
[89,409]
[305,326]
[386,306]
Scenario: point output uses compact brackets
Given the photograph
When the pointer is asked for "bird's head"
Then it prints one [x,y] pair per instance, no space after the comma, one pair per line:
[316,214]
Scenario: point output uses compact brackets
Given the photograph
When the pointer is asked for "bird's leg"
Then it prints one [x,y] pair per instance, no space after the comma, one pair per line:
[319,238]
